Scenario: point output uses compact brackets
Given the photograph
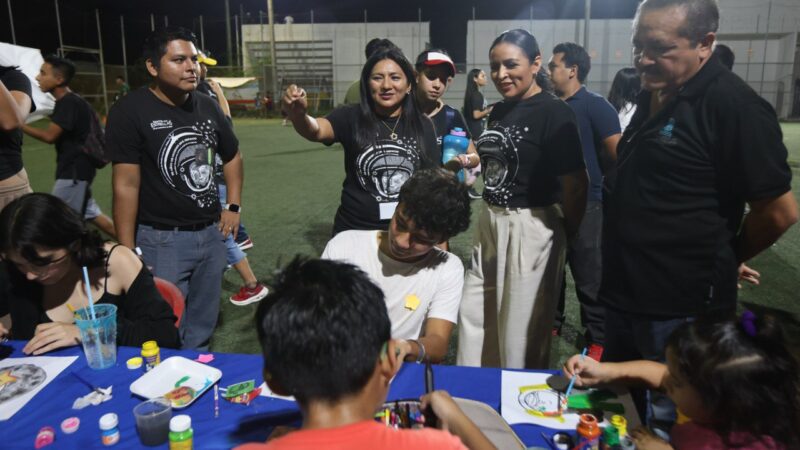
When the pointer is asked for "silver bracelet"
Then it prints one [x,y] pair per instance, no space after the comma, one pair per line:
[422,353]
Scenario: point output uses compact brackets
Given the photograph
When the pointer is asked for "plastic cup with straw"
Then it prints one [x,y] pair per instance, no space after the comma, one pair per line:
[91,309]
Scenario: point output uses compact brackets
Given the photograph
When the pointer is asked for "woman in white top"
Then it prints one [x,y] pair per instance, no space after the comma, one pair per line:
[622,96]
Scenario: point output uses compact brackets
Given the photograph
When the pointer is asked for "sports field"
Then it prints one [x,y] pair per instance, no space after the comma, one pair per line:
[291,193]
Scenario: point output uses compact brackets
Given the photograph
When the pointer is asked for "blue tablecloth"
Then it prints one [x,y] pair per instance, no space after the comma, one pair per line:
[236,423]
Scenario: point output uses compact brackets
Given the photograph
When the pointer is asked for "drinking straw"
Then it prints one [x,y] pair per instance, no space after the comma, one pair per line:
[89,292]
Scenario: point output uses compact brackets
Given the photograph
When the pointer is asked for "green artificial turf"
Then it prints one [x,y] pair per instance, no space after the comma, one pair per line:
[291,193]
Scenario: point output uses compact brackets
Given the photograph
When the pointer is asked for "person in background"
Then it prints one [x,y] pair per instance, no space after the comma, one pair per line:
[475,109]
[68,129]
[123,88]
[44,245]
[725,55]
[352,346]
[622,95]
[16,103]
[386,138]
[535,186]
[735,383]
[422,282]
[435,72]
[214,90]
[599,131]
[701,144]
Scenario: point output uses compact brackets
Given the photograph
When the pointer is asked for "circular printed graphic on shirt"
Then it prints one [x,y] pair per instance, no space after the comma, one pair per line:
[499,162]
[383,168]
[19,380]
[186,161]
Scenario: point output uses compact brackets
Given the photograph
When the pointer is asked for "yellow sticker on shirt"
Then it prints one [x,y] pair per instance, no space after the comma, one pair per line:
[412,302]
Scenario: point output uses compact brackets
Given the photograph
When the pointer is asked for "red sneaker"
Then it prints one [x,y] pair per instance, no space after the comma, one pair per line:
[246,295]
[595,352]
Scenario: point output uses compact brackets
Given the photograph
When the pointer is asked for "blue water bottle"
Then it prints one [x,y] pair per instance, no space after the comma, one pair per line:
[455,144]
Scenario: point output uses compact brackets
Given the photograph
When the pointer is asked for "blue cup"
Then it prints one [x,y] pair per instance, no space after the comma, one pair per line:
[98,335]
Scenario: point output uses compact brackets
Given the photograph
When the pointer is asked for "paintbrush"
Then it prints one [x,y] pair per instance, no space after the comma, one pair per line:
[572,381]
[430,417]
[84,381]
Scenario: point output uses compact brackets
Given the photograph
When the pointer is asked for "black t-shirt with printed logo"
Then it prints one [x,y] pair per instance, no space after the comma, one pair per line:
[175,147]
[526,147]
[475,102]
[11,141]
[73,114]
[375,173]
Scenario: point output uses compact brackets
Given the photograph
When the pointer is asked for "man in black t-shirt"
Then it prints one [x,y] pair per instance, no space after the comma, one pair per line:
[701,144]
[15,105]
[68,129]
[598,124]
[163,141]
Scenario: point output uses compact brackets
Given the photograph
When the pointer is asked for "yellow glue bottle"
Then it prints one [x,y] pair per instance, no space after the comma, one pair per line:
[151,355]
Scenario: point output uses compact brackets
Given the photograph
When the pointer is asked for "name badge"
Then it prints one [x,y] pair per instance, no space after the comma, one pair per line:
[387,210]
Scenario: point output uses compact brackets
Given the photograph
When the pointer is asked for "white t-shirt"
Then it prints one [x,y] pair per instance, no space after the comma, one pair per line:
[626,114]
[427,288]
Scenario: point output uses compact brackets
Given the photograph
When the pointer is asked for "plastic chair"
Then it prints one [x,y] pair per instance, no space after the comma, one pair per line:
[173,296]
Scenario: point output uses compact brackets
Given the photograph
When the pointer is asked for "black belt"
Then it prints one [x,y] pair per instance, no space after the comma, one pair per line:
[165,227]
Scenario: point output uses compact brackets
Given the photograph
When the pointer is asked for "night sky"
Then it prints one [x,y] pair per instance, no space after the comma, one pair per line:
[35,20]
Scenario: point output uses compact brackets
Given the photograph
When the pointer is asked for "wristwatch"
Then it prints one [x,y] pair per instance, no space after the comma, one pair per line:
[234,208]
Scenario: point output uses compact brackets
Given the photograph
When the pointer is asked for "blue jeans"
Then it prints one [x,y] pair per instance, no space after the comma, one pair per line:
[241,232]
[194,262]
[631,337]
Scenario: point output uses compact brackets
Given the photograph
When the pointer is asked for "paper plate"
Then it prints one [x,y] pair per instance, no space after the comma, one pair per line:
[173,373]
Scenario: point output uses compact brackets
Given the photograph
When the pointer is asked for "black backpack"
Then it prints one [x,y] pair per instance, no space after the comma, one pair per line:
[94,146]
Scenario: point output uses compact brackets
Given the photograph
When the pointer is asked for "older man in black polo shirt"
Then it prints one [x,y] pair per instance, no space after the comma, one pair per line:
[701,144]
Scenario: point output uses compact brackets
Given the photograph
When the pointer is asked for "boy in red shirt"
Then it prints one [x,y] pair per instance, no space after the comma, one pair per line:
[325,334]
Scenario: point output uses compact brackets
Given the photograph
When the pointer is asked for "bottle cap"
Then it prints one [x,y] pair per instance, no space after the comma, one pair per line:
[180,423]
[109,421]
[70,425]
[134,363]
[149,345]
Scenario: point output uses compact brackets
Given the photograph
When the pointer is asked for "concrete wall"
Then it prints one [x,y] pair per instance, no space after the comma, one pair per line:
[348,41]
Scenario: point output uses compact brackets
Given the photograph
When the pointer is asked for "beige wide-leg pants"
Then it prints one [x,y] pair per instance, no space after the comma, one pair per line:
[14,187]
[512,287]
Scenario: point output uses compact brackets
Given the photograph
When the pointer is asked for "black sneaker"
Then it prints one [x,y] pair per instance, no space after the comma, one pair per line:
[473,194]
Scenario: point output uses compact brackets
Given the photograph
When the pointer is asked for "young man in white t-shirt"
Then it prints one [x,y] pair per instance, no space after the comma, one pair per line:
[422,284]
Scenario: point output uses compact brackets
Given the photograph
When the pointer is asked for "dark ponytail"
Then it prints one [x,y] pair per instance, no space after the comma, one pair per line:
[746,377]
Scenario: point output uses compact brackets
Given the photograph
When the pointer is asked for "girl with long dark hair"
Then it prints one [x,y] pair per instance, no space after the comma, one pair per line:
[622,95]
[44,245]
[475,109]
[535,184]
[385,138]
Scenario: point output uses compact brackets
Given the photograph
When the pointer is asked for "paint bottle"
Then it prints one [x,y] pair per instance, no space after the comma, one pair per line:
[151,355]
[621,424]
[588,432]
[610,438]
[180,433]
[109,427]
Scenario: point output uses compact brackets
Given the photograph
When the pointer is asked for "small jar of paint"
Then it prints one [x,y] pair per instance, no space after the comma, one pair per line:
[180,433]
[588,432]
[151,355]
[109,429]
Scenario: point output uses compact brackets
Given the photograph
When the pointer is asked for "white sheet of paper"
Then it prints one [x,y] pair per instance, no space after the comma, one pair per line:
[267,392]
[52,366]
[387,210]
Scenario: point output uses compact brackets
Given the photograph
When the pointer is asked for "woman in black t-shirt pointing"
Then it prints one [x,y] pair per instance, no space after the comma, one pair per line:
[385,139]
[534,196]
